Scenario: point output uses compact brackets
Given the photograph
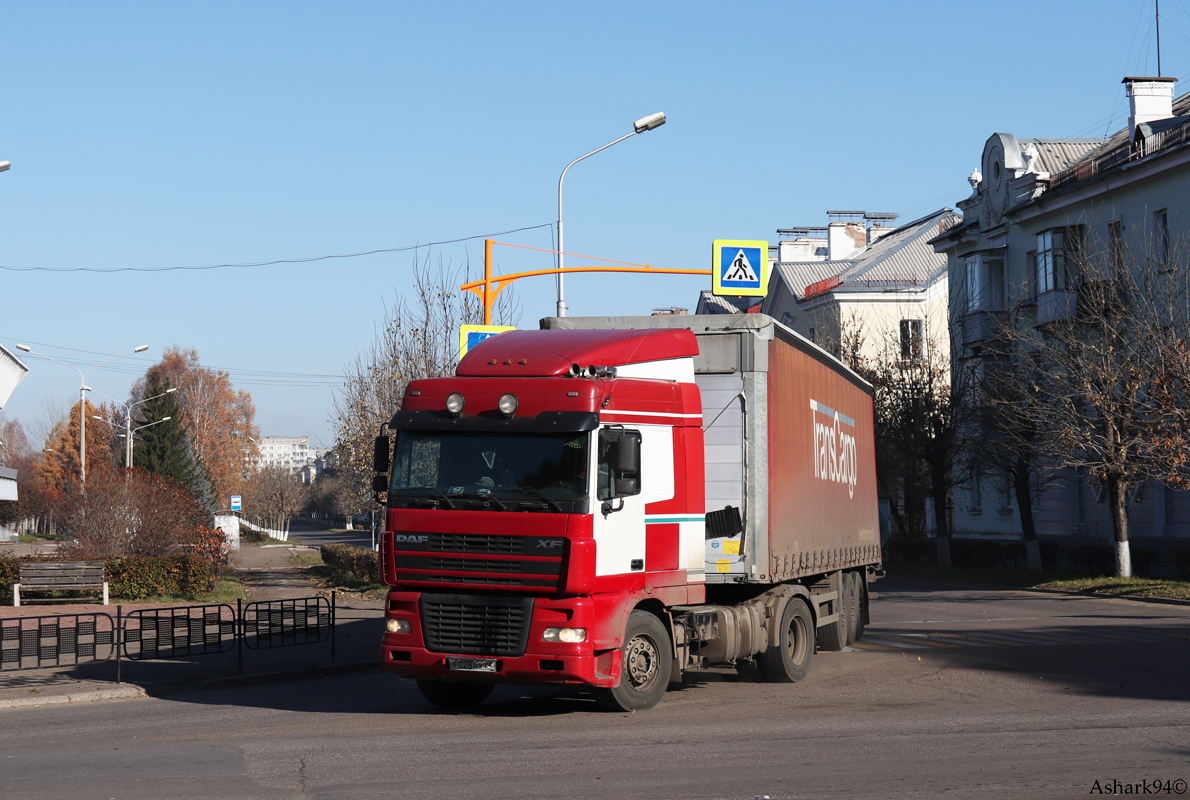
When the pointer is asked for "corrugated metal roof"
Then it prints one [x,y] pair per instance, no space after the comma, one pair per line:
[710,303]
[1055,155]
[797,275]
[901,259]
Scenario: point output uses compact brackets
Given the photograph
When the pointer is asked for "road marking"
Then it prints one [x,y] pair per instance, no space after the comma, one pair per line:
[893,643]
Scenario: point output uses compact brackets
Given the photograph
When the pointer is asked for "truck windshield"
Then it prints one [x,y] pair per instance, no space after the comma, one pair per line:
[519,472]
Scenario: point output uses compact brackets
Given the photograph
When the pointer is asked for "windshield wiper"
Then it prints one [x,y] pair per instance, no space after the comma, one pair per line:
[543,496]
[483,497]
[441,499]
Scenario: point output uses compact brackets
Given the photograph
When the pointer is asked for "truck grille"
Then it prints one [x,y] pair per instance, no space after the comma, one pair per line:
[480,560]
[476,625]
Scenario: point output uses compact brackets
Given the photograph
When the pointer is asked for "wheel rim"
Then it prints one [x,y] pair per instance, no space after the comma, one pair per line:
[795,640]
[640,662]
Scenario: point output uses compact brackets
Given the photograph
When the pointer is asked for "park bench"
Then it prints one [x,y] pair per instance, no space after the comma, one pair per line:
[56,576]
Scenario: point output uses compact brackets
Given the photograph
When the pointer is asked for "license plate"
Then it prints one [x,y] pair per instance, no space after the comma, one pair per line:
[471,664]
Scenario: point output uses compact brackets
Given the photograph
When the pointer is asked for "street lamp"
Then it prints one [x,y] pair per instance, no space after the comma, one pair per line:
[83,389]
[640,126]
[4,165]
[128,429]
[128,435]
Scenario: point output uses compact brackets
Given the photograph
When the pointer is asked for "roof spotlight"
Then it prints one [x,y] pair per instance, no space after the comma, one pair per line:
[455,403]
[507,404]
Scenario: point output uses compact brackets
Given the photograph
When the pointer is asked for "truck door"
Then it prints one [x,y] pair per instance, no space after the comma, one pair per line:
[621,495]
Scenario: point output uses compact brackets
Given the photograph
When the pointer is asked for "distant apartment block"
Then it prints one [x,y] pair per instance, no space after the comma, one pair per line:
[291,453]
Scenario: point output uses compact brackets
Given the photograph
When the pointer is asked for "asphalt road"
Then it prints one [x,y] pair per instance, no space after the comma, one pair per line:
[968,692]
[310,532]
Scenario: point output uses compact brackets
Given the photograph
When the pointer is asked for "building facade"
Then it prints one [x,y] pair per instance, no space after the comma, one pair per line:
[1034,204]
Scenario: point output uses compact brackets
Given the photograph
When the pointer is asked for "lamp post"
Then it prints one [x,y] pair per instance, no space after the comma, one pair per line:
[128,435]
[640,126]
[83,389]
[128,429]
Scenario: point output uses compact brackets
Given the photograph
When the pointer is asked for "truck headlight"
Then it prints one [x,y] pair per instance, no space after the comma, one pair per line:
[398,626]
[455,403]
[565,635]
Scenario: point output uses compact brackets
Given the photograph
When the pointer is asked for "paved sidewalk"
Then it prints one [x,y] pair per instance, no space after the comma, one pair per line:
[267,576]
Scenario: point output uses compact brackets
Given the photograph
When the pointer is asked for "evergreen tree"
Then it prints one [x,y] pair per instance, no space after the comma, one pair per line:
[161,448]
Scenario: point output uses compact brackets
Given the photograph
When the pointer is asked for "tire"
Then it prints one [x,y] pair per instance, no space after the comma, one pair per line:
[861,604]
[645,669]
[455,695]
[851,582]
[833,636]
[789,661]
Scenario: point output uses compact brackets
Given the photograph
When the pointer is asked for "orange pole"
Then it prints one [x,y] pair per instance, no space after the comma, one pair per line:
[487,282]
[489,287]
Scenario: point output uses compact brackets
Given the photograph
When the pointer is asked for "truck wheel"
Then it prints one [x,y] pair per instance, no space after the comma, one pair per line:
[851,581]
[789,661]
[647,664]
[454,695]
[861,604]
[834,635]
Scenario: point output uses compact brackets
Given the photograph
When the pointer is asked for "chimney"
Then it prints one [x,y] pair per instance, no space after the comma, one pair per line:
[844,239]
[1148,99]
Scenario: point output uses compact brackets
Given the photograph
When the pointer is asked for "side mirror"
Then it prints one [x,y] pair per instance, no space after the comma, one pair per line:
[627,486]
[380,455]
[628,460]
[379,483]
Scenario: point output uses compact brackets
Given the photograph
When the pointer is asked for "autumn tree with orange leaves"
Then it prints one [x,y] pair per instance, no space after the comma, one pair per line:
[61,461]
[218,418]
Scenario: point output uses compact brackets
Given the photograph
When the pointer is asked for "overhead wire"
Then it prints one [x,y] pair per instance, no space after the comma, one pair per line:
[274,262]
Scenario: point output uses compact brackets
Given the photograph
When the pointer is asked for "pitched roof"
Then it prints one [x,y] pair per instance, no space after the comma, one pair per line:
[898,260]
[1055,155]
[710,303]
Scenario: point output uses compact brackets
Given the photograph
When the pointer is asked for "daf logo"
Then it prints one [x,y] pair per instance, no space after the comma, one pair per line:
[548,543]
[411,537]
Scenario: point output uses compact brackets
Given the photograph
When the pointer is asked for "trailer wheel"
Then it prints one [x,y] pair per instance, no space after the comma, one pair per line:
[647,665]
[834,636]
[789,661]
[454,695]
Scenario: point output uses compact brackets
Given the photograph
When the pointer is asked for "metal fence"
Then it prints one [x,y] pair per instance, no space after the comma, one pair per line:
[165,633]
[56,641]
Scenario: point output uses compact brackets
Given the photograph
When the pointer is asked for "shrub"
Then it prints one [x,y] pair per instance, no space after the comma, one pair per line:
[138,577]
[357,562]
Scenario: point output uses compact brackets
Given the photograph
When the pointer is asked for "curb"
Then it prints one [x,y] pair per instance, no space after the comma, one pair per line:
[125,692]
[1169,601]
[129,691]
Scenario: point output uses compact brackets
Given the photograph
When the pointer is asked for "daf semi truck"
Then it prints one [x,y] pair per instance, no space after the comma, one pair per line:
[612,502]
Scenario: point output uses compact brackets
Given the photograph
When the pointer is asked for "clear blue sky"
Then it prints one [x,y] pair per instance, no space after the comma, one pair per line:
[165,134]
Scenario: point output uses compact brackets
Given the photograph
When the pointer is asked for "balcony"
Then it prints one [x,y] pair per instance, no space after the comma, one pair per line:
[1055,306]
[983,325]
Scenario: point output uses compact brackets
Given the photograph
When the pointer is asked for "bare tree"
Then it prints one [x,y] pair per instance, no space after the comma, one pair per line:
[923,420]
[273,496]
[419,340]
[1100,385]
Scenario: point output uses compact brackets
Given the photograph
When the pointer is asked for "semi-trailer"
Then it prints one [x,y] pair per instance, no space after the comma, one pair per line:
[612,502]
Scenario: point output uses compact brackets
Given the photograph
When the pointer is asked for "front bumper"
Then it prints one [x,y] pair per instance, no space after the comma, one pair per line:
[406,654]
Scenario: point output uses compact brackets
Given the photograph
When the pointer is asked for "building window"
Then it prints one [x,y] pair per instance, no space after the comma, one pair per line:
[912,347]
[1161,226]
[1115,244]
[1031,277]
[813,338]
[1057,258]
[985,281]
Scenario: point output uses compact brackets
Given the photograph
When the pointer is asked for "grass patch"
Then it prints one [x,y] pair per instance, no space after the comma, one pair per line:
[1122,587]
[28,538]
[1064,581]
[304,559]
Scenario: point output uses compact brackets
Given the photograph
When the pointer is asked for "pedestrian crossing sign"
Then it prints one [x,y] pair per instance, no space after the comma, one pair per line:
[740,268]
[471,335]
